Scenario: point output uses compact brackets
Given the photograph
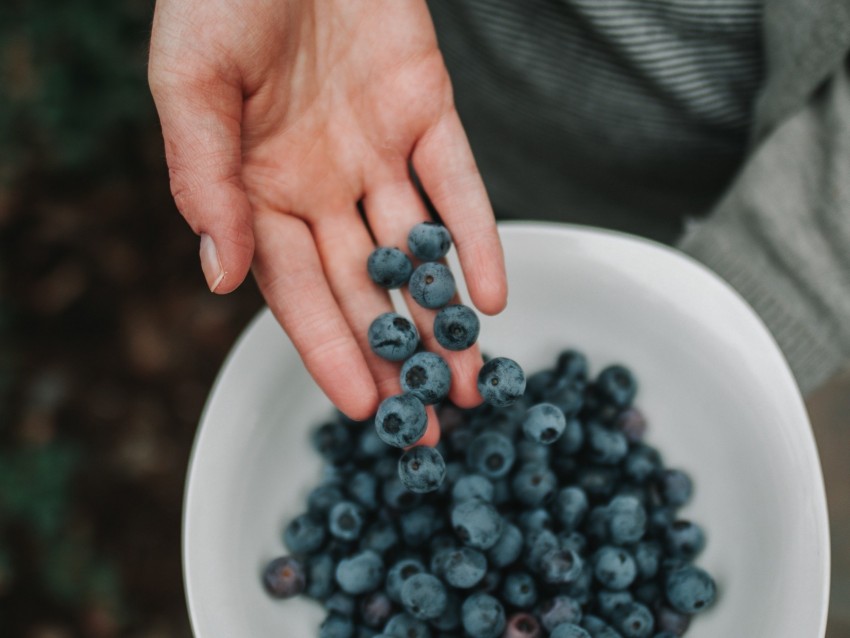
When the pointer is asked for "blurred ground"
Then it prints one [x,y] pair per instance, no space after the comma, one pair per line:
[109,340]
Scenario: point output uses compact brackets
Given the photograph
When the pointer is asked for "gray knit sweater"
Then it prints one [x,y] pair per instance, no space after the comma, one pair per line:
[586,116]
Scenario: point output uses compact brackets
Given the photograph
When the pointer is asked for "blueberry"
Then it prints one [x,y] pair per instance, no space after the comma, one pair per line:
[320,576]
[609,601]
[401,420]
[684,539]
[345,521]
[666,634]
[483,616]
[396,496]
[520,590]
[571,439]
[429,241]
[456,327]
[690,589]
[432,285]
[617,385]
[569,630]
[649,593]
[575,541]
[648,558]
[558,610]
[522,625]
[572,365]
[476,523]
[393,337]
[304,535]
[634,621]
[675,487]
[285,577]
[594,625]
[538,383]
[632,424]
[606,446]
[532,452]
[671,621]
[424,596]
[361,573]
[614,567]
[472,486]
[566,395]
[560,566]
[490,583]
[491,454]
[508,548]
[380,536]
[570,507]
[501,381]
[464,568]
[375,609]
[534,485]
[426,376]
[535,519]
[641,463]
[400,572]
[323,498]
[332,441]
[537,544]
[544,423]
[449,621]
[336,626]
[626,520]
[363,488]
[418,525]
[389,267]
[596,524]
[369,445]
[406,626]
[422,469]
[340,603]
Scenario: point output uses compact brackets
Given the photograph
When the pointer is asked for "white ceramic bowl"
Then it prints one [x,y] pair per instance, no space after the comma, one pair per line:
[718,394]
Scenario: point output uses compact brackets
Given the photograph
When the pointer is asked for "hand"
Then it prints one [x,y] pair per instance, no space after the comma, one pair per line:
[279,116]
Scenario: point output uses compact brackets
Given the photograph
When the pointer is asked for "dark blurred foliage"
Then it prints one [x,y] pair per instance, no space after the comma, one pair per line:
[109,340]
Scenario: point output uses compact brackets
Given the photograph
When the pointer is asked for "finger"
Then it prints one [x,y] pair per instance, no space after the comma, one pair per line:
[289,273]
[393,208]
[432,433]
[201,128]
[344,246]
[445,167]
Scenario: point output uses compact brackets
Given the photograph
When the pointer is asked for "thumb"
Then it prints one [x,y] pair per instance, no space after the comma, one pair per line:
[201,128]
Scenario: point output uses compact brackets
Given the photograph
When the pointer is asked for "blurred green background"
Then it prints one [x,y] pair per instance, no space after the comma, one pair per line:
[109,339]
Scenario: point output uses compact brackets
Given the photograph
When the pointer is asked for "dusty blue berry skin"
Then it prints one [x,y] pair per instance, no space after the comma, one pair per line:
[684,539]
[569,630]
[558,610]
[690,589]
[375,609]
[566,395]
[675,487]
[456,327]
[538,543]
[422,469]
[491,454]
[332,441]
[614,567]
[432,285]
[393,337]
[429,241]
[609,601]
[304,535]
[544,423]
[323,498]
[634,621]
[472,486]
[570,507]
[464,567]
[641,463]
[419,524]
[534,485]
[361,573]
[396,496]
[427,376]
[560,566]
[401,420]
[424,596]
[648,558]
[519,590]
[285,577]
[320,576]
[336,626]
[670,620]
[507,549]
[604,445]
[406,626]
[483,616]
[501,381]
[363,488]
[476,523]
[389,267]
[345,521]
[400,572]
[626,520]
[341,603]
[380,536]
[617,385]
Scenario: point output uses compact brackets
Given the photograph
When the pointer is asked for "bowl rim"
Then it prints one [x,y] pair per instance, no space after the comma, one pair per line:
[571,230]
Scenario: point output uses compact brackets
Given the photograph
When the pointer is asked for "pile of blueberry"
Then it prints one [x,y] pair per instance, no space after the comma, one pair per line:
[542,512]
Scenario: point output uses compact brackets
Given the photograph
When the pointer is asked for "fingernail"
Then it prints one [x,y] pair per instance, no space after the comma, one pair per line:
[210,264]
